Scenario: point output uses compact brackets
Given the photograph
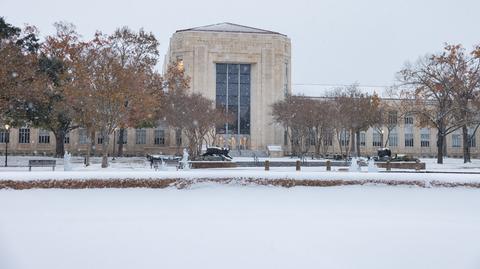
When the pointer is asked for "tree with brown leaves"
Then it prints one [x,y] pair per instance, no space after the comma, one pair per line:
[428,90]
[135,50]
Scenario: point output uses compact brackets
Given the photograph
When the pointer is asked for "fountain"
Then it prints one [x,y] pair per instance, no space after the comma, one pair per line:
[354,167]
[372,167]
[67,165]
[184,164]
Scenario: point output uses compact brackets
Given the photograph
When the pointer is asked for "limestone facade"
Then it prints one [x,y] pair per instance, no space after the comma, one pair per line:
[269,56]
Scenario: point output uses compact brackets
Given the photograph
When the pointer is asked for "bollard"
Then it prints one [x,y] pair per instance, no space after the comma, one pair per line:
[267,165]
[417,166]
[329,165]
[297,166]
[388,166]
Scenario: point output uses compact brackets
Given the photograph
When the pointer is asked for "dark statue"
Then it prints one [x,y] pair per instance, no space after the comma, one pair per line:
[220,152]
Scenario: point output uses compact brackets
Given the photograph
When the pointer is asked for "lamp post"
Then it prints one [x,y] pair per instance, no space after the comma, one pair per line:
[7,139]
[114,136]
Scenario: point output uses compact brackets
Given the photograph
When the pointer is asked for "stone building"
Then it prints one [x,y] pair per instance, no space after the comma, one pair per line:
[244,70]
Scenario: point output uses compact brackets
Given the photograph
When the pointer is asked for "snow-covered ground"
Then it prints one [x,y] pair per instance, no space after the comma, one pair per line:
[18,163]
[138,168]
[232,226]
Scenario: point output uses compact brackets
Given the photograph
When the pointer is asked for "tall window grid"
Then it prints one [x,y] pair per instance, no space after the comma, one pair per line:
[140,136]
[24,135]
[66,139]
[393,138]
[82,136]
[456,140]
[43,136]
[233,97]
[125,136]
[328,139]
[4,136]
[424,137]
[285,81]
[344,138]
[408,120]
[377,138]
[408,139]
[362,139]
[159,137]
[472,140]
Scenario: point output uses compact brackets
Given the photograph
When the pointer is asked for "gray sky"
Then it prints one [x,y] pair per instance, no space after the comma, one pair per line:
[333,41]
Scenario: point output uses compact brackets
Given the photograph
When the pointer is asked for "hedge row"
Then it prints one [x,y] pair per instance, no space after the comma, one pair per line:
[185,183]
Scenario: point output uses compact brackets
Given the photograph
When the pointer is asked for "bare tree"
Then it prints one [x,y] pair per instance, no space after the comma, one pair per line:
[464,70]
[356,112]
[428,92]
[295,115]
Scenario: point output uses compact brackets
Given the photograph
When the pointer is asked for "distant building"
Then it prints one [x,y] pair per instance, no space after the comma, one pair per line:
[244,70]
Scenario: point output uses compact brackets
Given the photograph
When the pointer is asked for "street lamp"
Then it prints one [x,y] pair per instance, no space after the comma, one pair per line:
[6,139]
[114,136]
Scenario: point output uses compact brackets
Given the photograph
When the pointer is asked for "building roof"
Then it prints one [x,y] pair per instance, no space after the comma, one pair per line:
[227,27]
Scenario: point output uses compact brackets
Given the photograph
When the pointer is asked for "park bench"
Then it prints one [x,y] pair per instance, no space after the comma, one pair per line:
[41,163]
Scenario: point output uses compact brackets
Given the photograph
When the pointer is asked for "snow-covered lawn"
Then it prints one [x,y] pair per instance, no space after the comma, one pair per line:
[232,226]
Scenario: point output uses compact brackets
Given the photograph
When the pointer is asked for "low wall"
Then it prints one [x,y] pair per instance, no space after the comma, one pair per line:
[402,165]
[200,164]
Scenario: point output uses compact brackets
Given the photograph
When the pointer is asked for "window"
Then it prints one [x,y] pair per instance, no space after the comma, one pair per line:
[82,136]
[312,140]
[408,139]
[140,136]
[393,138]
[377,138]
[328,140]
[178,137]
[125,135]
[456,140]
[424,137]
[472,142]
[24,135]
[159,138]
[408,120]
[4,136]
[99,138]
[362,138]
[344,138]
[43,136]
[233,97]
[66,139]
[285,81]
[392,118]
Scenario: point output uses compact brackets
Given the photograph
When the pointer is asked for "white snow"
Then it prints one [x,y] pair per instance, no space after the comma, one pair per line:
[139,168]
[231,226]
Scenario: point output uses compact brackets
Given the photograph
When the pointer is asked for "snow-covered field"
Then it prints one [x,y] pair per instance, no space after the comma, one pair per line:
[232,226]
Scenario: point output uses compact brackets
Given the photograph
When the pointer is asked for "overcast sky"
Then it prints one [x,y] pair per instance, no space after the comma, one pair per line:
[333,41]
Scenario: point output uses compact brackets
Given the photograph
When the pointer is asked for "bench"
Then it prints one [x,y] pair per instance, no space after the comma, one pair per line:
[41,163]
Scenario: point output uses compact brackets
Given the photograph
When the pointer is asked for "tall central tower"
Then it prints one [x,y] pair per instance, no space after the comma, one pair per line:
[244,70]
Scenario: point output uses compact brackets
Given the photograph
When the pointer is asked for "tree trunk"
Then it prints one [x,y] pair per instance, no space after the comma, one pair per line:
[358,143]
[87,155]
[120,142]
[352,144]
[59,143]
[92,145]
[444,146]
[440,144]
[105,151]
[466,145]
